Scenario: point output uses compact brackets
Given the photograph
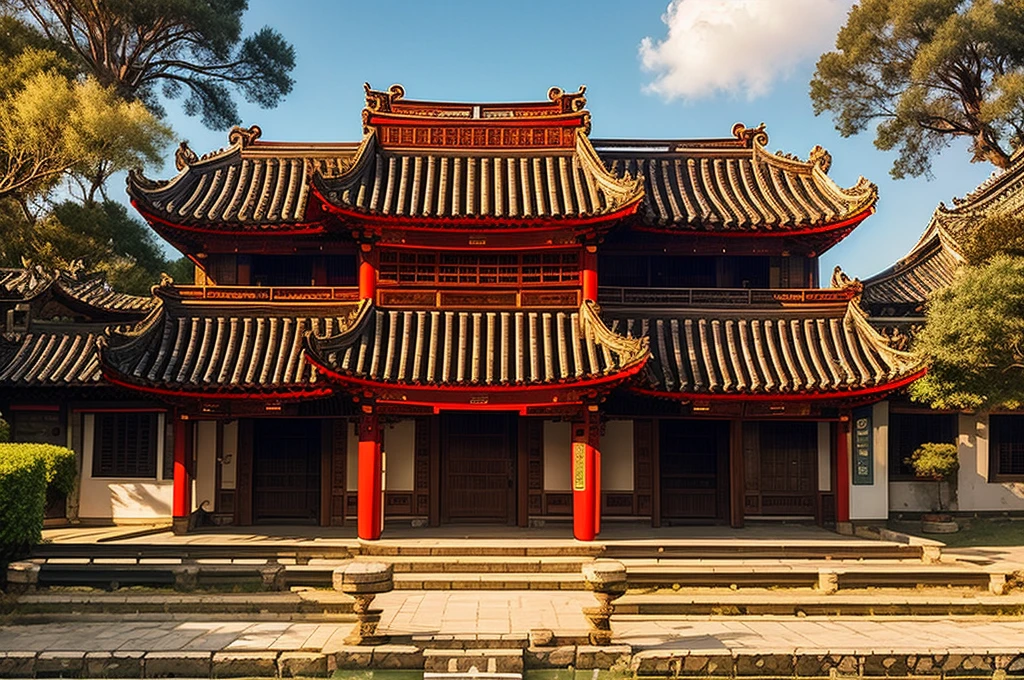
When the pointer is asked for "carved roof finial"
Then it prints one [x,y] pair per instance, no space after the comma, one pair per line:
[184,156]
[751,135]
[243,136]
[840,279]
[821,157]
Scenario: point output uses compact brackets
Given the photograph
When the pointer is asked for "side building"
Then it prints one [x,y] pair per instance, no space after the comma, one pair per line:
[479,314]
[991,446]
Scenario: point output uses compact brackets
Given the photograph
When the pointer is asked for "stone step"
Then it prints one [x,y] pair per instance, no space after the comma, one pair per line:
[488,581]
[48,605]
[468,660]
[740,550]
[940,603]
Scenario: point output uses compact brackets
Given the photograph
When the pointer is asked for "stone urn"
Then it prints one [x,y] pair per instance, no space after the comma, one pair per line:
[363,580]
[607,580]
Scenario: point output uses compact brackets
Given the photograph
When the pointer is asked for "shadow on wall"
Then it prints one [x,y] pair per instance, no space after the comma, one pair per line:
[139,500]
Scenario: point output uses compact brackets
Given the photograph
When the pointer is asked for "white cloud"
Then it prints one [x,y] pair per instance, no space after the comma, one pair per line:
[737,46]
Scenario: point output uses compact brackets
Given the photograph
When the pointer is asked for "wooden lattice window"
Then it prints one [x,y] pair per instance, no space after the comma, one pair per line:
[478,269]
[1006,447]
[124,445]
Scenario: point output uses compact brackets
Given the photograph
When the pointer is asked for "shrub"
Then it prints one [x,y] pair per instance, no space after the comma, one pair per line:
[935,461]
[26,470]
[940,463]
[22,500]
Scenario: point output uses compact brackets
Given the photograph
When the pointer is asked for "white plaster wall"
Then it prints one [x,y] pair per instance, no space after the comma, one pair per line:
[229,455]
[912,496]
[872,501]
[617,456]
[204,485]
[124,500]
[974,491]
[558,457]
[824,457]
[352,457]
[399,443]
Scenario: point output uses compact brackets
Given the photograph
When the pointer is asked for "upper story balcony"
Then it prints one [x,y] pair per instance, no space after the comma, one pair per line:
[619,296]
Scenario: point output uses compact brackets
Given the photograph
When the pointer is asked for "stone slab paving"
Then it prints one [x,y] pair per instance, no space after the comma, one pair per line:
[456,614]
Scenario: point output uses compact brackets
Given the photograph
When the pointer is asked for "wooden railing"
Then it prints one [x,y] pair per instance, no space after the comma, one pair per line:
[722,297]
[269,293]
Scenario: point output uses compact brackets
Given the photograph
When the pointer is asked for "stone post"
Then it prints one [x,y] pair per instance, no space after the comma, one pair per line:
[607,580]
[363,580]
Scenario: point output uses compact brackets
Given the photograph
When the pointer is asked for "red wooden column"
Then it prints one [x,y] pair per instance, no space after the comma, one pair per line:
[842,476]
[588,273]
[586,479]
[182,504]
[367,273]
[370,516]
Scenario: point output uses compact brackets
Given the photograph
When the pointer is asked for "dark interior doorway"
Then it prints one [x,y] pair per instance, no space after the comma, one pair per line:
[478,467]
[781,460]
[694,469]
[286,470]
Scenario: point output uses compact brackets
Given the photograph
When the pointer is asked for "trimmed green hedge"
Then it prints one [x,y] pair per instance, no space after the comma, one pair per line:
[25,472]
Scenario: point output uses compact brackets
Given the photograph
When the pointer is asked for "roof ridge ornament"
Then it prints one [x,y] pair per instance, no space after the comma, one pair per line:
[841,279]
[244,136]
[820,156]
[184,156]
[750,136]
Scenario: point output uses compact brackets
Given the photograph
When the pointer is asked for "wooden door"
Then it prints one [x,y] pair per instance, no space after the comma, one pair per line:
[477,478]
[692,468]
[781,461]
[286,470]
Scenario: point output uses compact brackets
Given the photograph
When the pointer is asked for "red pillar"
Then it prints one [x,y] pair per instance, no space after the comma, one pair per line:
[588,273]
[367,275]
[842,430]
[182,505]
[586,479]
[369,517]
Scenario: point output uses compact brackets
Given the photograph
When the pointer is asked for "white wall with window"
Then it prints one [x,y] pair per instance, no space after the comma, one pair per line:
[991,449]
[124,471]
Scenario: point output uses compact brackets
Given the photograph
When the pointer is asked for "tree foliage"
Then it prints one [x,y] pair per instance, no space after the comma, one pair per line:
[994,234]
[928,71]
[54,125]
[190,48]
[104,237]
[973,339]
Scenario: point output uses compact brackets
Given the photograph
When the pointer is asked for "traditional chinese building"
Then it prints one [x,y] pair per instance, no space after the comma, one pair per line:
[477,313]
[991,445]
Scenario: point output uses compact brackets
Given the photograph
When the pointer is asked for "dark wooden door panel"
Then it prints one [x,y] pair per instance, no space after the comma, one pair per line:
[478,478]
[786,467]
[690,470]
[286,470]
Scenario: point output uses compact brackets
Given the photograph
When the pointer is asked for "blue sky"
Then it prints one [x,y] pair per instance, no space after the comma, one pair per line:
[480,50]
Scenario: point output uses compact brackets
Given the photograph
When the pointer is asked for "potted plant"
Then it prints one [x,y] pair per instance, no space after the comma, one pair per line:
[938,462]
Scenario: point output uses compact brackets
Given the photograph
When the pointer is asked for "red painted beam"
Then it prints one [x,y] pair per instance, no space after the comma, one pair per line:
[843,470]
[586,479]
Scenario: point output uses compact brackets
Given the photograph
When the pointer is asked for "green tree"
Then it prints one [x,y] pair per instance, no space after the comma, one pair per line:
[994,234]
[148,48]
[53,126]
[973,339]
[928,71]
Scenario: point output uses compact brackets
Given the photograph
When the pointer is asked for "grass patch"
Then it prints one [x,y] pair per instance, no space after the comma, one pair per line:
[974,531]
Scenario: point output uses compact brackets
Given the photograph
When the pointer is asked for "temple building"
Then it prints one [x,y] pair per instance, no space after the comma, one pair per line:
[477,313]
[991,445]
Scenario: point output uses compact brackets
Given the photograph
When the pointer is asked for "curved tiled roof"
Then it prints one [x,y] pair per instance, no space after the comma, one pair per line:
[467,348]
[821,350]
[734,185]
[931,265]
[211,348]
[23,283]
[97,294]
[511,186]
[53,357]
[1003,193]
[249,185]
